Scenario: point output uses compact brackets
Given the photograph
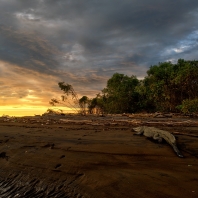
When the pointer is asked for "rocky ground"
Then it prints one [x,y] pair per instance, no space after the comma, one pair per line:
[93,156]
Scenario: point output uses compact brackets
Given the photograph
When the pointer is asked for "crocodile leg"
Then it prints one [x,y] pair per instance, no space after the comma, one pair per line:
[158,138]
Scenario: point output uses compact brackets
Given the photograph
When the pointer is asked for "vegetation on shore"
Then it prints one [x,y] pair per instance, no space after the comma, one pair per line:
[167,87]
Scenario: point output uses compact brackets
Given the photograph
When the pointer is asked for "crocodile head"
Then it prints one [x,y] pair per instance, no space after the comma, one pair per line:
[139,130]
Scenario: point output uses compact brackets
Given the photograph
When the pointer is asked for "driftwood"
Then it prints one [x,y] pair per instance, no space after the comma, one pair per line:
[187,134]
[76,121]
[172,123]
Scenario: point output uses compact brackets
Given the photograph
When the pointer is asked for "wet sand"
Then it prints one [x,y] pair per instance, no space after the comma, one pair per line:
[96,157]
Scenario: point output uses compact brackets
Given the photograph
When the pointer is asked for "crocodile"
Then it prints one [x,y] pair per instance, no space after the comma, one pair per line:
[159,135]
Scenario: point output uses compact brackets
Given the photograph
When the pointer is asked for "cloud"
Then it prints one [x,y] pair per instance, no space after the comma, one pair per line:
[84,42]
[18,84]
[27,49]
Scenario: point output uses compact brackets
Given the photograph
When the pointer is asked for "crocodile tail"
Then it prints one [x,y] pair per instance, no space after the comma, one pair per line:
[177,150]
[170,139]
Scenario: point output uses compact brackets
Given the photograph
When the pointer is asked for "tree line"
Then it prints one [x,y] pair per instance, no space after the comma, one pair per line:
[167,87]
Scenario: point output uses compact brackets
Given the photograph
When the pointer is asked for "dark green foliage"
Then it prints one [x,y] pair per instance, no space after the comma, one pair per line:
[83,102]
[166,87]
[97,104]
[167,84]
[120,94]
[189,106]
[160,86]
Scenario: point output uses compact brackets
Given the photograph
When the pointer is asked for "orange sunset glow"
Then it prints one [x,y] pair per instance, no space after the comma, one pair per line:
[23,91]
[28,93]
[22,110]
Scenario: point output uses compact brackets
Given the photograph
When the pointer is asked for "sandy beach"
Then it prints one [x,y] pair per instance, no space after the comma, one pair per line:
[92,156]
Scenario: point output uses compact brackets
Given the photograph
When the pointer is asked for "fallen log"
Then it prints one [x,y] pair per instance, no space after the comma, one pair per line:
[187,134]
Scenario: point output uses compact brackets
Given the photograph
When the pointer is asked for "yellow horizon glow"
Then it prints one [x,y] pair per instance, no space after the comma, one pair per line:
[20,111]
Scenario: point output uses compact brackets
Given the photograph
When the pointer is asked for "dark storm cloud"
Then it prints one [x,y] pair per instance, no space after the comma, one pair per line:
[84,42]
[27,50]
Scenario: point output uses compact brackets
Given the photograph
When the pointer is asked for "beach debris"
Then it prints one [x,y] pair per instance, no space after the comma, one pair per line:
[76,121]
[97,124]
[94,120]
[187,134]
[163,115]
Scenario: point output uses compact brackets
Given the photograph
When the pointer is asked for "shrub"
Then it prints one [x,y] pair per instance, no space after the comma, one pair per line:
[189,106]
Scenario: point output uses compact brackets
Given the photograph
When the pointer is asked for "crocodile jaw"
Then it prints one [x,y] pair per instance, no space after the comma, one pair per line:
[138,129]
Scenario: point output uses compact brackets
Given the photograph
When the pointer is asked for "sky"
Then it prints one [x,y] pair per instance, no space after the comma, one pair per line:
[83,43]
